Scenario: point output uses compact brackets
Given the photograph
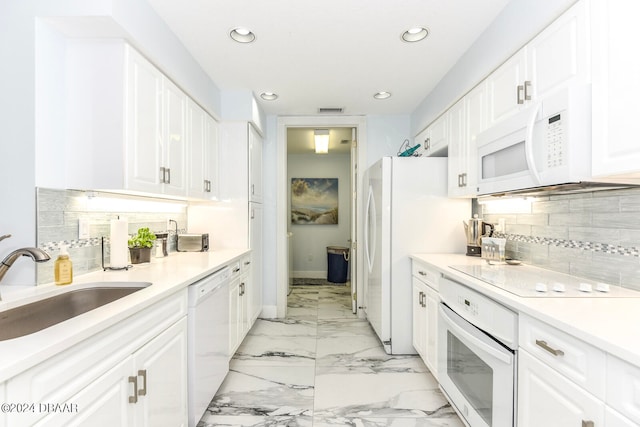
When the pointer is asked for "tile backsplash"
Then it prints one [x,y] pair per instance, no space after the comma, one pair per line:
[595,235]
[59,212]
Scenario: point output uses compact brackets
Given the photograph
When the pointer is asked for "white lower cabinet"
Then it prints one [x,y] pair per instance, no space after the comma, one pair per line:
[425,315]
[134,373]
[240,311]
[547,398]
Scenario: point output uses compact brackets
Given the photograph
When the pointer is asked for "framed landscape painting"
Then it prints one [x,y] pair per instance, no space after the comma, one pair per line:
[314,201]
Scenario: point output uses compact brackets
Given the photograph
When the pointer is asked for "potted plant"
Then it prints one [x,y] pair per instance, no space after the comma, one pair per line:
[140,245]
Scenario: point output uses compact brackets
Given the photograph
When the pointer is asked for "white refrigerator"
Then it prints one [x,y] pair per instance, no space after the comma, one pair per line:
[407,211]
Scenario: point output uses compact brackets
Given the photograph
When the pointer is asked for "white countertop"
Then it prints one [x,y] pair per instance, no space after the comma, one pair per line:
[167,275]
[610,324]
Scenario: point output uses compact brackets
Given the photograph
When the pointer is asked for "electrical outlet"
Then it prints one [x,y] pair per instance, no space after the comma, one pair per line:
[83,228]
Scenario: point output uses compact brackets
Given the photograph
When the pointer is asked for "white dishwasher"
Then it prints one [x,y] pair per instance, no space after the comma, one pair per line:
[208,340]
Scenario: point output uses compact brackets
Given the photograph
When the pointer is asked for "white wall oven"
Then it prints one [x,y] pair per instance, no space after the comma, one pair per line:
[477,339]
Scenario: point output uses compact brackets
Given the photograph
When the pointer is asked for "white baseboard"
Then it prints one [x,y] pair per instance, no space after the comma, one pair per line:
[310,274]
[269,312]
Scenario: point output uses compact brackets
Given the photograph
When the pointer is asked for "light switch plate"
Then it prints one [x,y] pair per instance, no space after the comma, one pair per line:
[83,228]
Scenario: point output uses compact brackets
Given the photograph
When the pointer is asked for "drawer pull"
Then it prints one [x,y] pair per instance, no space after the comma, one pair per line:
[235,270]
[422,273]
[551,350]
[134,398]
[588,423]
[143,391]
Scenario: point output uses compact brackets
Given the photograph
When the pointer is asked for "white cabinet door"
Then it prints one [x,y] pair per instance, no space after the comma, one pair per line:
[431,345]
[174,139]
[235,316]
[255,165]
[560,55]
[616,90]
[196,142]
[104,403]
[438,137]
[505,88]
[161,371]
[255,267]
[546,398]
[458,156]
[419,318]
[477,117]
[211,165]
[143,117]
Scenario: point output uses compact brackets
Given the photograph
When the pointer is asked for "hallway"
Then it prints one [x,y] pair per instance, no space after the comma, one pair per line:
[321,366]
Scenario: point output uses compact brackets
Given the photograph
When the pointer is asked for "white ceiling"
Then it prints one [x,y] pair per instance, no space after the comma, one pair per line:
[329,53]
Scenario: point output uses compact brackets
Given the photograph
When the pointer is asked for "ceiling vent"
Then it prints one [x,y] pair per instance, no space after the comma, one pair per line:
[330,110]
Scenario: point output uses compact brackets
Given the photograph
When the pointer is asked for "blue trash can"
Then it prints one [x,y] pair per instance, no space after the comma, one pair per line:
[338,264]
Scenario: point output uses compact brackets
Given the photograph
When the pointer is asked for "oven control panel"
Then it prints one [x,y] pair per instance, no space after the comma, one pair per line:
[481,311]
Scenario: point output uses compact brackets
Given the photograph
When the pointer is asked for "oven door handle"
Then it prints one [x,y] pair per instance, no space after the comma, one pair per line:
[460,330]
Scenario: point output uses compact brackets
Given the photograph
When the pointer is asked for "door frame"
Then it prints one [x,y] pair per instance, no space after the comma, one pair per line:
[282,267]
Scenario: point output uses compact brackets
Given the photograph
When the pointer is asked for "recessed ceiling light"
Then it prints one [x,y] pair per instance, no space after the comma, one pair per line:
[415,34]
[382,95]
[242,35]
[269,96]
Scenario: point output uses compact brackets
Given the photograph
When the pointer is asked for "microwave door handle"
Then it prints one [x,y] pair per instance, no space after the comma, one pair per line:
[528,143]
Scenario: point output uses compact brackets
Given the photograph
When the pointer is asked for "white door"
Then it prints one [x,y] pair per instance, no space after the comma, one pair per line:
[506,88]
[196,148]
[255,243]
[175,106]
[354,220]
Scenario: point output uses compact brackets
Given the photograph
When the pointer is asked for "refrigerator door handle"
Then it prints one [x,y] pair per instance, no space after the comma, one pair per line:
[370,229]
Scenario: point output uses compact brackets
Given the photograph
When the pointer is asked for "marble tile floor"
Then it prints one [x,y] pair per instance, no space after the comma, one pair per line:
[322,366]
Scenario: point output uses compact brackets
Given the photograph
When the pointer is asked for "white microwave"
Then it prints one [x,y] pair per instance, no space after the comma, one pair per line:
[547,143]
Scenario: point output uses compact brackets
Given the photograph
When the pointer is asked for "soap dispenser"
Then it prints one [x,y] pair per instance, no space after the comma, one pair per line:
[63,273]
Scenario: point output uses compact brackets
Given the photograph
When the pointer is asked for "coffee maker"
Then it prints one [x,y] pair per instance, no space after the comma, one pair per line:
[475,231]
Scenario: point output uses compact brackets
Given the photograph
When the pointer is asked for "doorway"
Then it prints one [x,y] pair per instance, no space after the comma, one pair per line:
[354,125]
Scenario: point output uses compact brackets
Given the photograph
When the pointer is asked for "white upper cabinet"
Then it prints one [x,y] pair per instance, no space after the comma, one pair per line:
[506,88]
[202,153]
[559,55]
[467,118]
[616,90]
[554,59]
[131,128]
[255,165]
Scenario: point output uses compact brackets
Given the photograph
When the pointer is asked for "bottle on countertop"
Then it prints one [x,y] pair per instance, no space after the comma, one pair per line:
[63,269]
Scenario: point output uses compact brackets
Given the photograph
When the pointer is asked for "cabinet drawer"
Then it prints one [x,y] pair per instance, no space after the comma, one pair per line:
[425,274]
[623,387]
[577,360]
[245,264]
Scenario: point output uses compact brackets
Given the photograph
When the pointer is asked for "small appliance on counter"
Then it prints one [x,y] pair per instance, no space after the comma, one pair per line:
[475,231]
[193,242]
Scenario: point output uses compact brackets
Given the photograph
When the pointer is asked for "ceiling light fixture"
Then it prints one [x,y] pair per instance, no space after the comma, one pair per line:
[382,95]
[242,35]
[415,34]
[321,140]
[269,96]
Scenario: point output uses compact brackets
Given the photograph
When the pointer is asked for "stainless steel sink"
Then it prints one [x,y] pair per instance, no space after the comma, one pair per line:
[36,316]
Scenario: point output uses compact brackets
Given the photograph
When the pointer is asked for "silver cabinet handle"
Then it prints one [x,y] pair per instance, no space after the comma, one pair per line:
[464,179]
[527,90]
[427,144]
[162,174]
[422,273]
[519,94]
[247,262]
[143,391]
[235,270]
[459,180]
[168,175]
[588,423]
[241,287]
[134,398]
[253,189]
[551,350]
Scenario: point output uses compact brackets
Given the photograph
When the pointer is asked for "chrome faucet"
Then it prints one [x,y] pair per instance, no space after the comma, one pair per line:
[36,254]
